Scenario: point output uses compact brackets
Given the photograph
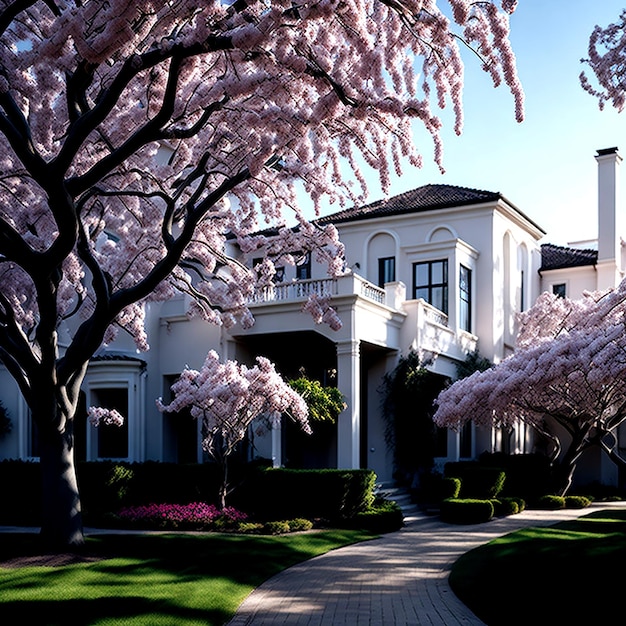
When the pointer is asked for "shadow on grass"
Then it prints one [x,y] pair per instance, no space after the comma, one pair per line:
[153,579]
[127,610]
[562,574]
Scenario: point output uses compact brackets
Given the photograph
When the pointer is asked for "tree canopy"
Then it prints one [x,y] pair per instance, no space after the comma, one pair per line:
[569,369]
[139,140]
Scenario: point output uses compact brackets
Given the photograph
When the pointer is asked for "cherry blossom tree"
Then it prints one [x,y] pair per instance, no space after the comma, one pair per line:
[226,398]
[139,138]
[607,61]
[567,379]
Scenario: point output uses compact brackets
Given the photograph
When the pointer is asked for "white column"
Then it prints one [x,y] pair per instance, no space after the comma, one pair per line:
[348,424]
[277,451]
[609,231]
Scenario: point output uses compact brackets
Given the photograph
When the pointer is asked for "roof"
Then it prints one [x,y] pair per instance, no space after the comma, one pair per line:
[558,257]
[116,356]
[426,198]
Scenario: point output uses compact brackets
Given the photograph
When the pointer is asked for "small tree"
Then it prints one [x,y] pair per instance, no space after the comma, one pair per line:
[227,397]
[569,369]
[324,403]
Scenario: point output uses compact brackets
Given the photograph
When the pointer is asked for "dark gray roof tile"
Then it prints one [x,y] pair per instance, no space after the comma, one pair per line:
[555,257]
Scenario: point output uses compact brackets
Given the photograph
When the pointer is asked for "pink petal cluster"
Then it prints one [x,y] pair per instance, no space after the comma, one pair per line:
[228,396]
[98,415]
[127,124]
[607,61]
[570,364]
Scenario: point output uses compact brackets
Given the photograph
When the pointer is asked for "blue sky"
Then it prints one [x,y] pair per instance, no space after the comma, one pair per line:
[545,165]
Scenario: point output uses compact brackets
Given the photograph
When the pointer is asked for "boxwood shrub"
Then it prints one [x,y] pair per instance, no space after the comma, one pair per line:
[466,511]
[383,517]
[505,506]
[577,502]
[549,503]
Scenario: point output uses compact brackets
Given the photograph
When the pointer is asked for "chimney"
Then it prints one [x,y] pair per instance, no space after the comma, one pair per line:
[609,231]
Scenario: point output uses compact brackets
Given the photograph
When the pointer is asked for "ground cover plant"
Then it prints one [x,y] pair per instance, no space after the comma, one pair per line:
[151,579]
[563,574]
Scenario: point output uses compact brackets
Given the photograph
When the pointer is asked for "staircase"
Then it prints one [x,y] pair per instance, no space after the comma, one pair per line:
[400,495]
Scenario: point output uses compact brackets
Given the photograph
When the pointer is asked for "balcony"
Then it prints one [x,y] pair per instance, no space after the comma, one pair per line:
[324,287]
[418,323]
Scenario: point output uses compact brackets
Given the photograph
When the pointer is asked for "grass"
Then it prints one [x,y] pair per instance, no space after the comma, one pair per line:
[153,579]
[568,573]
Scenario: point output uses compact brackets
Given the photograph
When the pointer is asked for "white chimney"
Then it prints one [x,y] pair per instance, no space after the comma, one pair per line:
[609,227]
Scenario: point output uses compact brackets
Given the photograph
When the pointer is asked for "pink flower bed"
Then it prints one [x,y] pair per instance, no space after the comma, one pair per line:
[193,515]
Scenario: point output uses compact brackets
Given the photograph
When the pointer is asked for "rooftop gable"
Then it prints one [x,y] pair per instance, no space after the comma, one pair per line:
[422,199]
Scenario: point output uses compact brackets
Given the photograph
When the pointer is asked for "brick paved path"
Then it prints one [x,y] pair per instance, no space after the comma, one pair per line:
[399,579]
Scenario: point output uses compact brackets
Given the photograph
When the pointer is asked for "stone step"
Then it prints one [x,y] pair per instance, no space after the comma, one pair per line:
[399,495]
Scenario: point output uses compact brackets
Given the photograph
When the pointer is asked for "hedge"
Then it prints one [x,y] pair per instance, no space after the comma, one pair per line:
[267,494]
[466,511]
[329,494]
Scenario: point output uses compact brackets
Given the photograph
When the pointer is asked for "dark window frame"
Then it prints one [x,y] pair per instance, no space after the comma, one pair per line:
[428,289]
[386,270]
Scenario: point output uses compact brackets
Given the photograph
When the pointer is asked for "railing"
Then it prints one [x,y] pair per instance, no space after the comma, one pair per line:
[296,290]
[434,315]
[299,289]
[368,290]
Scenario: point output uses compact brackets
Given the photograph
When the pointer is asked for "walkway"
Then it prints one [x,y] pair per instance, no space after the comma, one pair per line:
[398,579]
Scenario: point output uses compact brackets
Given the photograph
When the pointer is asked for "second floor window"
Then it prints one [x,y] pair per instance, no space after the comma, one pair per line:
[430,282]
[559,290]
[465,299]
[303,267]
[386,270]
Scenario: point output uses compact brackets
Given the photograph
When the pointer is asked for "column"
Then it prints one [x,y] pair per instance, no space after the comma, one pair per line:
[348,423]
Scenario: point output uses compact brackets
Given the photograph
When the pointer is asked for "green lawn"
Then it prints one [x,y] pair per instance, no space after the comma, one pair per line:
[153,580]
[570,573]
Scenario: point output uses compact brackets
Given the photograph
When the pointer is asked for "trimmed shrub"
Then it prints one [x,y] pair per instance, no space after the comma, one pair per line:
[466,511]
[577,502]
[249,527]
[549,503]
[384,516]
[434,488]
[521,503]
[299,524]
[477,481]
[279,527]
[505,506]
[328,494]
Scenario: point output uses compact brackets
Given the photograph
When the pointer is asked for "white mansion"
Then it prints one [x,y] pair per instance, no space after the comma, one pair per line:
[441,269]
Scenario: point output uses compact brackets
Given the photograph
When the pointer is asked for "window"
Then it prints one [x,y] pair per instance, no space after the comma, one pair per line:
[303,267]
[112,441]
[559,290]
[430,282]
[386,270]
[465,299]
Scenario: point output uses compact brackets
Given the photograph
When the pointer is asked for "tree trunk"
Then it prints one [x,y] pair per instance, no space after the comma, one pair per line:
[223,489]
[62,525]
[567,466]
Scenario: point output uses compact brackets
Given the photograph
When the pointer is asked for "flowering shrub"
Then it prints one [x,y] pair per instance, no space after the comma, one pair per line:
[196,515]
